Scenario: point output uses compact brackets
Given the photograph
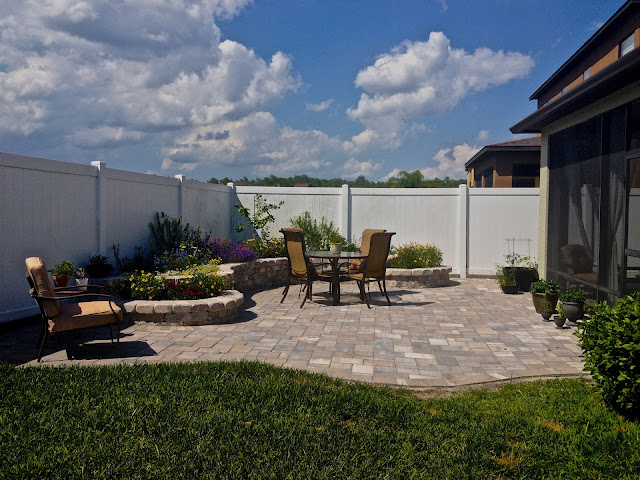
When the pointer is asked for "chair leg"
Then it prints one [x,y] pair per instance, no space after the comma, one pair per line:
[306,295]
[366,297]
[117,339]
[286,289]
[44,336]
[384,284]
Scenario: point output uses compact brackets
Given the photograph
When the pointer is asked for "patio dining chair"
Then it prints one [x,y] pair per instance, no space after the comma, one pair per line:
[374,267]
[354,265]
[62,317]
[300,268]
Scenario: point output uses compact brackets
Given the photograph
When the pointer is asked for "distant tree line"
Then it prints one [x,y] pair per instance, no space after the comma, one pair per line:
[403,179]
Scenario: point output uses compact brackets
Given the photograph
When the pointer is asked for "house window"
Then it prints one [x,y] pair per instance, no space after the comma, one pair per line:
[627,45]
[525,175]
[586,74]
[488,177]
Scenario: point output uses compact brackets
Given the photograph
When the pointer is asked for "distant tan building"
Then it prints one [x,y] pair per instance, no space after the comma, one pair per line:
[506,165]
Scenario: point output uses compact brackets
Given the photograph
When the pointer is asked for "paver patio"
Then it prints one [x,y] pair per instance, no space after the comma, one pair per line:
[466,333]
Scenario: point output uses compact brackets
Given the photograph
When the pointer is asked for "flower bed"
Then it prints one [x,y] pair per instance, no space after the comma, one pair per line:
[207,311]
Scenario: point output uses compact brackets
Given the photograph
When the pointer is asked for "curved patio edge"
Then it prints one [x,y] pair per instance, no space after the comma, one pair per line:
[206,311]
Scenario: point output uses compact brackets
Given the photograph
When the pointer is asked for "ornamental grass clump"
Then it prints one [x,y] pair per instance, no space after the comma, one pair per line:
[610,340]
[416,255]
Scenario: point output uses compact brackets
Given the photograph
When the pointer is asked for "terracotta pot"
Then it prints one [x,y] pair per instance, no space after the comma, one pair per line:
[60,281]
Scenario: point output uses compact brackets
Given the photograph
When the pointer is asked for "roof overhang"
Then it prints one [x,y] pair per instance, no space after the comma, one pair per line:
[619,74]
[628,8]
[493,149]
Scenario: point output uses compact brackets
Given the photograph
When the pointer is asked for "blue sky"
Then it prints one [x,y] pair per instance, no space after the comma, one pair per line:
[328,88]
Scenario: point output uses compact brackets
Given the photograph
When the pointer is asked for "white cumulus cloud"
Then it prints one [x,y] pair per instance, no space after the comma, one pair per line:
[354,168]
[319,107]
[450,162]
[483,135]
[421,79]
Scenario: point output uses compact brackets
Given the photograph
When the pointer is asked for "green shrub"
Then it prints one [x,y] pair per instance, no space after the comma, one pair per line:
[416,255]
[64,269]
[505,277]
[572,295]
[317,235]
[610,340]
[545,286]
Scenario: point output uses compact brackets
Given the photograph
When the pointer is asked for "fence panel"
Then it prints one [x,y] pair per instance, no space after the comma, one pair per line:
[419,215]
[319,202]
[48,210]
[501,221]
[207,206]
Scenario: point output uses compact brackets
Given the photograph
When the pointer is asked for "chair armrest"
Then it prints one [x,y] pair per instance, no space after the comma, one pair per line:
[80,295]
[79,287]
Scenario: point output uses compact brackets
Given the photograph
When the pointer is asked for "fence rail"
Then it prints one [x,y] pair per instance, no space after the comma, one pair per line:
[67,211]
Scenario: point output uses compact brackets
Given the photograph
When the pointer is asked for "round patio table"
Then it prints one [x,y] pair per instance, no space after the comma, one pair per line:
[334,260]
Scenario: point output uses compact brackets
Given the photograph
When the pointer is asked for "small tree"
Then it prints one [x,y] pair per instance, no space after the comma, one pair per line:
[261,217]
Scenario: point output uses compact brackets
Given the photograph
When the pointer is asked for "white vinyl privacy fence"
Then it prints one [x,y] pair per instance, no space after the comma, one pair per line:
[67,211]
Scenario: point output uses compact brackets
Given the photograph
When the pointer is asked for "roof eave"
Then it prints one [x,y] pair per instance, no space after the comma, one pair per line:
[623,72]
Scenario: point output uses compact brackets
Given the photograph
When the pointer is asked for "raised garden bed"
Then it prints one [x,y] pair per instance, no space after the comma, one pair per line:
[206,311]
[418,277]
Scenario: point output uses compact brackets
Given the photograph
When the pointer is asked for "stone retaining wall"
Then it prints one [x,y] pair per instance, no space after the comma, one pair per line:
[207,311]
[261,273]
[418,277]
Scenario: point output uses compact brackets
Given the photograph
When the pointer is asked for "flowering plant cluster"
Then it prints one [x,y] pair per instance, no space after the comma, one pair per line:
[269,248]
[416,255]
[207,268]
[200,285]
[227,252]
[150,286]
[146,286]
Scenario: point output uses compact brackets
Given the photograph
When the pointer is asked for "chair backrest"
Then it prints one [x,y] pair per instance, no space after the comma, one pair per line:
[366,238]
[40,284]
[376,264]
[294,246]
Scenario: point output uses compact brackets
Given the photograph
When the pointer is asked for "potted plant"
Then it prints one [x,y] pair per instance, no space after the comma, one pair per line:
[572,303]
[545,297]
[81,279]
[98,266]
[525,270]
[62,272]
[335,242]
[506,279]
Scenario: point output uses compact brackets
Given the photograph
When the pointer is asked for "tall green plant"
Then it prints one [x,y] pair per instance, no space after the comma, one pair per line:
[261,217]
[317,235]
[610,339]
[167,233]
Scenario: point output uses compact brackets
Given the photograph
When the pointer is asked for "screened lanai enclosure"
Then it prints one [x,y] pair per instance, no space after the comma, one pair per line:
[594,204]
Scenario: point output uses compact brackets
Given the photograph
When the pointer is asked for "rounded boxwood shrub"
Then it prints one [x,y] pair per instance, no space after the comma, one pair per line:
[610,340]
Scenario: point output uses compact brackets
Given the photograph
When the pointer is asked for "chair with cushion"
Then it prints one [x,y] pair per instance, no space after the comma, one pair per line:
[354,264]
[61,317]
[374,267]
[300,268]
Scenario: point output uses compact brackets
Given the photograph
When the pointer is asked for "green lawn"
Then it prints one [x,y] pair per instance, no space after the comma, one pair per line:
[250,420]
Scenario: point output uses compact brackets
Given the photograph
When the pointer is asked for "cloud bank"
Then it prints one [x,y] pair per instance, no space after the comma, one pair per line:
[423,79]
